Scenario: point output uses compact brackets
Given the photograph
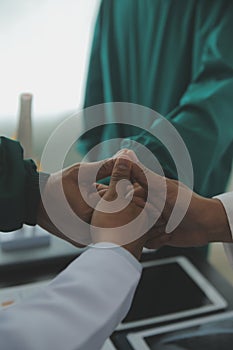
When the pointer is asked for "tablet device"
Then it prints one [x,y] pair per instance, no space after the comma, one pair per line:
[108,345]
[213,332]
[171,289]
[174,280]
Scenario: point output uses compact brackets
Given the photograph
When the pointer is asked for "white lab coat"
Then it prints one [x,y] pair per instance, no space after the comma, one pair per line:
[227,201]
[79,309]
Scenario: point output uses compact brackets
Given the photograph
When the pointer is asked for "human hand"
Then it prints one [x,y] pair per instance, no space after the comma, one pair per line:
[113,226]
[205,220]
[59,217]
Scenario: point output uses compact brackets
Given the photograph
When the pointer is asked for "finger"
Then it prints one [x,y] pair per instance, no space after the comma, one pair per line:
[154,185]
[102,169]
[101,193]
[140,202]
[120,177]
[94,197]
[142,175]
[105,168]
[140,192]
[128,153]
[100,187]
[136,190]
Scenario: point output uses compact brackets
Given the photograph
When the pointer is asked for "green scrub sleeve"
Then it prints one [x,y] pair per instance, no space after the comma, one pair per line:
[204,115]
[19,187]
[94,85]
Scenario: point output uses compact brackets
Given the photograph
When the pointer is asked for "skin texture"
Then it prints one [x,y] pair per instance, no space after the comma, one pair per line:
[110,221]
[98,219]
[73,195]
[205,220]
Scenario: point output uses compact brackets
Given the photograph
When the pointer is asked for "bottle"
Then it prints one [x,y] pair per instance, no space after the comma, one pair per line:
[24,133]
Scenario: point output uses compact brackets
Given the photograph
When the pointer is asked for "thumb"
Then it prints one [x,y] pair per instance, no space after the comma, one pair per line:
[120,178]
[128,153]
[92,172]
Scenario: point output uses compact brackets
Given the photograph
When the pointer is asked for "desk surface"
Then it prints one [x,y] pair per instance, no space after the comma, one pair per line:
[29,265]
[39,264]
[57,248]
[224,288]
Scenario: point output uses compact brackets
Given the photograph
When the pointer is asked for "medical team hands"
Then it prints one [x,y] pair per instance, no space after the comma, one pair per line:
[119,169]
[205,220]
[113,226]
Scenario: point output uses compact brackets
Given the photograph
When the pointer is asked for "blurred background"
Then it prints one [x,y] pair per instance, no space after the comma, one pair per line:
[45,51]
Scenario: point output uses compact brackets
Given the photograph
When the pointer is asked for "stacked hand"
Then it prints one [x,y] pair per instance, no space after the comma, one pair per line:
[105,226]
[119,225]
[127,196]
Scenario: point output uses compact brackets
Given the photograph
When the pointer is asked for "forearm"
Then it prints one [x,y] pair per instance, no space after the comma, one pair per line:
[79,309]
[215,223]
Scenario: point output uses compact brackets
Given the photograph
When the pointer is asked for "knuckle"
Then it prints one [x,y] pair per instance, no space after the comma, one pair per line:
[118,175]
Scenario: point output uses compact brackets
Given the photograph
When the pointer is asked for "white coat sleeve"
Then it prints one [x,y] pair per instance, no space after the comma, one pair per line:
[227,201]
[79,309]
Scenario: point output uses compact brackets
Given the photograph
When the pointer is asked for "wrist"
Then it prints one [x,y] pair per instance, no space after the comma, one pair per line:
[216,225]
[99,236]
[135,248]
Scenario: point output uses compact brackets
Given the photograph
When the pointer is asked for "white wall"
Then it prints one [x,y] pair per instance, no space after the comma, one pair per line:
[44,47]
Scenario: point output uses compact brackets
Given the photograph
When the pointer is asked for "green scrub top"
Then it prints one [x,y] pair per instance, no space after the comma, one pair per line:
[176,57]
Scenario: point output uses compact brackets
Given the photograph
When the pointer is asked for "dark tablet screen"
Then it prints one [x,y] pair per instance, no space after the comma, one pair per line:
[165,289]
[170,289]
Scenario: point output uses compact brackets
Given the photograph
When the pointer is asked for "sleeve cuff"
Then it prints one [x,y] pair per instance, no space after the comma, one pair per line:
[121,251]
[227,201]
[32,191]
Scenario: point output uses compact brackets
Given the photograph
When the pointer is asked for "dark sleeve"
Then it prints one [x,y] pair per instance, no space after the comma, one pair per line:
[94,90]
[19,187]
[203,116]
